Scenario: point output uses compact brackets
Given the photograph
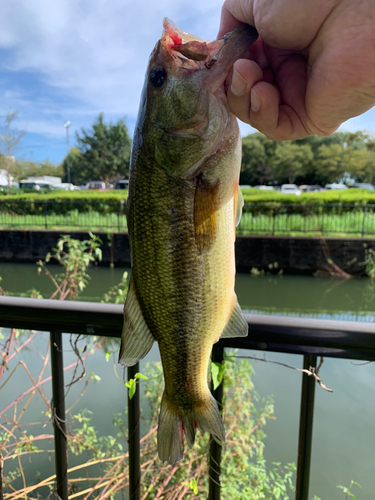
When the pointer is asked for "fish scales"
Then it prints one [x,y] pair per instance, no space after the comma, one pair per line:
[182,209]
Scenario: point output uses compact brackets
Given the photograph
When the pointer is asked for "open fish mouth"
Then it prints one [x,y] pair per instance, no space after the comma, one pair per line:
[217,56]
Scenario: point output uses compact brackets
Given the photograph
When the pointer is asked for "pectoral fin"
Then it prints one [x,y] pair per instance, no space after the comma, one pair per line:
[238,205]
[136,339]
[237,325]
[206,205]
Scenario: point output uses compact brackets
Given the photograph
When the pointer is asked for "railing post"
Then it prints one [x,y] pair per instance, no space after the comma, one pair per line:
[118,215]
[58,415]
[214,478]
[363,221]
[305,430]
[45,215]
[134,415]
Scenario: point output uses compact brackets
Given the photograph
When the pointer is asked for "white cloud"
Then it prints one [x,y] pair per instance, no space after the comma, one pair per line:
[95,50]
[91,55]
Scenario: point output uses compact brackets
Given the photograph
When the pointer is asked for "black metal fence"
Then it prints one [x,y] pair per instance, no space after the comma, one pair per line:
[309,337]
[71,214]
[294,219]
[257,218]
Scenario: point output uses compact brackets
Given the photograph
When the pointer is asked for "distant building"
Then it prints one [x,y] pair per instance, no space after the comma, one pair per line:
[4,178]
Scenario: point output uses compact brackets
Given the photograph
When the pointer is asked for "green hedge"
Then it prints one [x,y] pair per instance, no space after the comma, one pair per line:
[84,195]
[251,195]
[256,202]
[351,196]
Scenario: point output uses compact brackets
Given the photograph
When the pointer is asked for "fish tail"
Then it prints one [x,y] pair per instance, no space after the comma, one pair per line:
[176,422]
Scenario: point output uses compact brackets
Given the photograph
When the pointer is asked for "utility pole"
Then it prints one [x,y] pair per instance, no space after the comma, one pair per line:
[67,149]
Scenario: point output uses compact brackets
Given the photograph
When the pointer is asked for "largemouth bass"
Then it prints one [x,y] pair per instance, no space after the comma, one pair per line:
[182,209]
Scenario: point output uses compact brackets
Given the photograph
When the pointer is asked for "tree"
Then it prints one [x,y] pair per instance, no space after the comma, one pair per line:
[359,164]
[78,168]
[24,169]
[257,153]
[291,160]
[9,140]
[105,151]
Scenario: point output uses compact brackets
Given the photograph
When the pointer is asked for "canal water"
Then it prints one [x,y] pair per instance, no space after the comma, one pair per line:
[344,424]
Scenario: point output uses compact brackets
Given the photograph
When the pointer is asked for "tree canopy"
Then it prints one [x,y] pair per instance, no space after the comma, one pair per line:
[102,153]
[313,160]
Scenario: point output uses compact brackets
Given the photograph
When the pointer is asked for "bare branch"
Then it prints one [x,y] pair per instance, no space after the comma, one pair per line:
[311,372]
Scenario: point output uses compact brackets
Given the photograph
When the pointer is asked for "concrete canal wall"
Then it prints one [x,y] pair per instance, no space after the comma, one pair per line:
[295,255]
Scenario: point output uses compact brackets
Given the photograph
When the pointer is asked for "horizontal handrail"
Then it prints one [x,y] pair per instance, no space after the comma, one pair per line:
[318,337]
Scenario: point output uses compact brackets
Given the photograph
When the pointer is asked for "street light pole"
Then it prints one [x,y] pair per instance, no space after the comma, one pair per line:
[67,149]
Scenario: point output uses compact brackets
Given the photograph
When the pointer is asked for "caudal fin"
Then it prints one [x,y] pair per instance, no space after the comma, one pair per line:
[176,422]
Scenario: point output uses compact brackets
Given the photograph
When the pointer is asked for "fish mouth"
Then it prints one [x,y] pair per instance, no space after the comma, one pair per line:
[215,58]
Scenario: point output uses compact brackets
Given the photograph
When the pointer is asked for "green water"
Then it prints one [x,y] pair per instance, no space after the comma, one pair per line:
[344,424]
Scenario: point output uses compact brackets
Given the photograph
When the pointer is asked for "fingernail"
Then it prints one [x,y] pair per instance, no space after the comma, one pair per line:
[255,101]
[238,85]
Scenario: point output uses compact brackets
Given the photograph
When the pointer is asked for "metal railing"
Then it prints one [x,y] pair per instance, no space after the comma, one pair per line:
[272,218]
[307,337]
[323,219]
[67,214]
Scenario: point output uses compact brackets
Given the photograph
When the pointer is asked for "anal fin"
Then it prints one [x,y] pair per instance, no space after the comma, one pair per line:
[237,325]
[136,338]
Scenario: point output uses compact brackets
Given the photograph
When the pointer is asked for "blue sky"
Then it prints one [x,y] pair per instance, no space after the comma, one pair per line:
[72,59]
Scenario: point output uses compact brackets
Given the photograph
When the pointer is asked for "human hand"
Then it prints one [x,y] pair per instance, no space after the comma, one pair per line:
[312,68]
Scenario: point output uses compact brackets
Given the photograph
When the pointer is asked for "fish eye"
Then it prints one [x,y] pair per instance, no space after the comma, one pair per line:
[157,76]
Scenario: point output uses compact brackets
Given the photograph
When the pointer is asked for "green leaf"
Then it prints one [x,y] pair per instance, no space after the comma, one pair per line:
[131,386]
[107,355]
[139,375]
[192,484]
[98,253]
[95,377]
[217,372]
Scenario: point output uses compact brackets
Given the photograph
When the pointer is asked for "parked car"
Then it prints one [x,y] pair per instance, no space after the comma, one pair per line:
[363,185]
[265,188]
[39,186]
[311,189]
[290,189]
[98,185]
[336,186]
[122,184]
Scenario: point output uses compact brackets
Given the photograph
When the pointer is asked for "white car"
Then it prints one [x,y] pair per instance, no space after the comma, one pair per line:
[290,189]
[265,188]
[336,186]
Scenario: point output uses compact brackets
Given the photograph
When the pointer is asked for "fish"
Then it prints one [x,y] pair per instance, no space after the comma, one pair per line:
[182,209]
